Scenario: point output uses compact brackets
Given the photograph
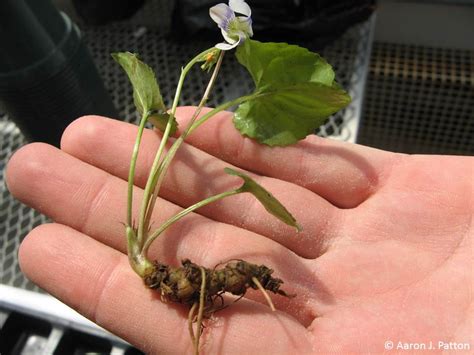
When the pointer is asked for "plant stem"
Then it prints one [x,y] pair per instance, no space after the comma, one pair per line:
[172,151]
[185,212]
[220,108]
[205,97]
[160,174]
[133,163]
[151,183]
[140,264]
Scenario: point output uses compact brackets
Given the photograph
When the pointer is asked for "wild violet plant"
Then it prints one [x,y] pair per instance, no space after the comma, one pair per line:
[295,91]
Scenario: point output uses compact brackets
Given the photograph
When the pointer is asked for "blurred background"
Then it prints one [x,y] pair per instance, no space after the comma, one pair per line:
[408,65]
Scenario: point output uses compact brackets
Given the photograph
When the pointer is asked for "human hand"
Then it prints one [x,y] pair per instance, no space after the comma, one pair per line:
[385,254]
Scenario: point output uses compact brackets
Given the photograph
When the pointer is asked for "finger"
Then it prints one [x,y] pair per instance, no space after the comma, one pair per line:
[344,174]
[97,281]
[195,175]
[91,201]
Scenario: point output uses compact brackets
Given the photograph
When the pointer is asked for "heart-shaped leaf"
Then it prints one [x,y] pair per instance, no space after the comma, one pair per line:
[282,116]
[295,92]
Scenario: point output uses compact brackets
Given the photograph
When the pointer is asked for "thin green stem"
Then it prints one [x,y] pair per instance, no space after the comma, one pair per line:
[133,163]
[140,264]
[205,97]
[151,183]
[220,108]
[185,212]
[185,71]
[174,148]
[172,151]
[160,174]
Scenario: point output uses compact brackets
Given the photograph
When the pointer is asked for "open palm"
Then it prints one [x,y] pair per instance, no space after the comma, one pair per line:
[385,254]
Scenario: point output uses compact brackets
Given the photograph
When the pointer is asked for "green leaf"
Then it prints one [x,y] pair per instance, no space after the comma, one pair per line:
[282,116]
[160,120]
[271,204]
[295,93]
[146,92]
[282,63]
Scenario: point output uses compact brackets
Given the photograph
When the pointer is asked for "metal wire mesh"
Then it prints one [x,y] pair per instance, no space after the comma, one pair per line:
[167,57]
[347,55]
[16,219]
[419,100]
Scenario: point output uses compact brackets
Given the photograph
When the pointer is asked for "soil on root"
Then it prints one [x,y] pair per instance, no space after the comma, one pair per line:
[183,284]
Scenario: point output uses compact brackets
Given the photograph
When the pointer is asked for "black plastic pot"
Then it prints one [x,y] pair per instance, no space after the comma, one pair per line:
[47,76]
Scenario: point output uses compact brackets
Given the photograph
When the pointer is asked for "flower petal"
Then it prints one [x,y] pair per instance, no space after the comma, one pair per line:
[222,15]
[247,23]
[226,46]
[240,6]
[242,37]
[227,38]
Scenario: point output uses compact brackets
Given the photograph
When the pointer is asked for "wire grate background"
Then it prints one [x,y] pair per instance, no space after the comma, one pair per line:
[419,100]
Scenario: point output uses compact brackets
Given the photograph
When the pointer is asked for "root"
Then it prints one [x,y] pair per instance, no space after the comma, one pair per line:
[265,294]
[202,304]
[183,284]
[200,287]
[192,310]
